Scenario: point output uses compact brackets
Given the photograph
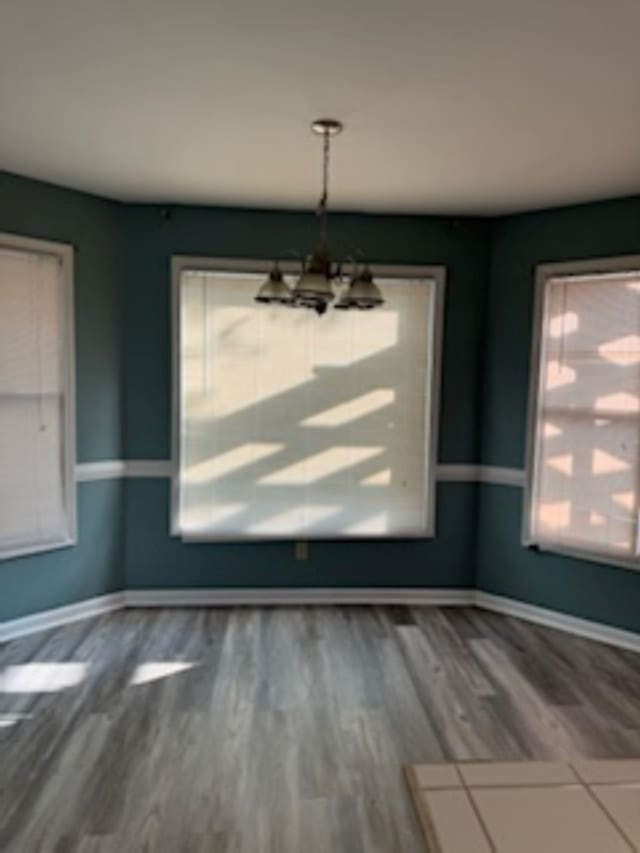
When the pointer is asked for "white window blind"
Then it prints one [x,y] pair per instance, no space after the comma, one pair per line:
[36,490]
[586,449]
[294,425]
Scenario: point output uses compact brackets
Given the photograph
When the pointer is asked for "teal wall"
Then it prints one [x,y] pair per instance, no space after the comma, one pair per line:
[92,567]
[123,406]
[154,234]
[92,225]
[504,567]
[155,560]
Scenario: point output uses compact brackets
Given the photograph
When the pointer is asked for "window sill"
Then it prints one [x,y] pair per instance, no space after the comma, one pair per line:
[604,559]
[29,550]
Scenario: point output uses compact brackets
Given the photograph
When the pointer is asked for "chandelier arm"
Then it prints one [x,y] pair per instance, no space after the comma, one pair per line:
[342,263]
[297,254]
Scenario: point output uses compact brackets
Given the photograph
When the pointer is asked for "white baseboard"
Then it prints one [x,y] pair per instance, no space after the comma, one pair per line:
[416,596]
[229,598]
[297,596]
[561,621]
[60,616]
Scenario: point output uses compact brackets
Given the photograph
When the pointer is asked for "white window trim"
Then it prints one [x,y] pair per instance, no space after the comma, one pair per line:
[544,272]
[437,274]
[63,251]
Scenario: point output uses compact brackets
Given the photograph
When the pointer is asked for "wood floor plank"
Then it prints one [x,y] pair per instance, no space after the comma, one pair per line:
[280,730]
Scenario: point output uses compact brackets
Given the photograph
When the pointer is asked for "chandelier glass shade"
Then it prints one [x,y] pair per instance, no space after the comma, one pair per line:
[314,287]
[275,290]
[363,293]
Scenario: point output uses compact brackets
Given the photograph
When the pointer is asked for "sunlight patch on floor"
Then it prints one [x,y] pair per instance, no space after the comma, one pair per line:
[157,670]
[42,677]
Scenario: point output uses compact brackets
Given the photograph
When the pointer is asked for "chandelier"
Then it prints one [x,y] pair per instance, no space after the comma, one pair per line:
[315,286]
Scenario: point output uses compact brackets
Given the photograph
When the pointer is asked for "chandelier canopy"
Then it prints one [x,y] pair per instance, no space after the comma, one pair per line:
[314,287]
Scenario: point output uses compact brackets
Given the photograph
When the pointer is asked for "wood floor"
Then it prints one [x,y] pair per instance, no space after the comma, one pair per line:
[289,730]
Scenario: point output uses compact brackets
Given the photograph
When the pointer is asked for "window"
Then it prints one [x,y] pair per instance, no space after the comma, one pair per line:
[290,425]
[584,449]
[37,496]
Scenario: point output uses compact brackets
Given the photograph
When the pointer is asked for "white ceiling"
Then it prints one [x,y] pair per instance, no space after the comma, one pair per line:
[465,106]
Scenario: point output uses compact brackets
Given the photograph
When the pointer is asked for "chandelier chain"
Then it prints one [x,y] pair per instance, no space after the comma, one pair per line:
[314,288]
[324,198]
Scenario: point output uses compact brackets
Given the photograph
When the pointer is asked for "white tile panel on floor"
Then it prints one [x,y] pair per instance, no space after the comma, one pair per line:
[510,773]
[529,806]
[598,772]
[438,776]
[622,802]
[552,819]
[455,822]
